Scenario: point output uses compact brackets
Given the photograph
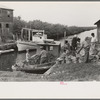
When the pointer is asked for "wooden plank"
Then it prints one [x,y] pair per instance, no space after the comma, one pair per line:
[6,51]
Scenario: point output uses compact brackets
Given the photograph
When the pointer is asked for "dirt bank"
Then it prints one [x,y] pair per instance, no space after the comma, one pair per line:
[64,72]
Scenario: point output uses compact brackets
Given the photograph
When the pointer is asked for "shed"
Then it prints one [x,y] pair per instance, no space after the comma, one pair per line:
[98,30]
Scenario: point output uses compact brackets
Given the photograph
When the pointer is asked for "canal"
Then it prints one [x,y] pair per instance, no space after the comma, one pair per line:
[82,35]
[8,59]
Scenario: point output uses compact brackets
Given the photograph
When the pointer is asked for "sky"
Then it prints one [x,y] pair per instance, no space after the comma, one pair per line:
[66,13]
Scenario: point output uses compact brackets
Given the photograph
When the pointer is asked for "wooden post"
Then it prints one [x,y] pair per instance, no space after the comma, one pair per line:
[29,35]
[2,31]
[22,34]
[51,69]
[64,36]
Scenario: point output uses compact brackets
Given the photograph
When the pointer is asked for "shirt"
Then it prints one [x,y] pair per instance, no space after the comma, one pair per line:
[93,39]
[74,41]
[63,55]
[43,53]
[67,46]
[27,56]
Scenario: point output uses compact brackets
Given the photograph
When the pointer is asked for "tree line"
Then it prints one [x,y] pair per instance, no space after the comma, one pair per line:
[53,31]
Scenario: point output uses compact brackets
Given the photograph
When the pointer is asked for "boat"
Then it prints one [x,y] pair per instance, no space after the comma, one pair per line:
[6,51]
[30,38]
[36,69]
[23,45]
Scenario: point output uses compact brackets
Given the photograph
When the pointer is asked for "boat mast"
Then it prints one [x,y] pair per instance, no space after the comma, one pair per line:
[22,34]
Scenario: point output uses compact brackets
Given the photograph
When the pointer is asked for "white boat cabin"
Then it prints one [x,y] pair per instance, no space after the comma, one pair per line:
[33,35]
[51,46]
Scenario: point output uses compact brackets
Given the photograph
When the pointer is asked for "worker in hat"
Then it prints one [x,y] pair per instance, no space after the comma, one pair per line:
[86,46]
[43,55]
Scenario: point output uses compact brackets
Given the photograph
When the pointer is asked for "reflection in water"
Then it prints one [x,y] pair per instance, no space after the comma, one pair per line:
[8,59]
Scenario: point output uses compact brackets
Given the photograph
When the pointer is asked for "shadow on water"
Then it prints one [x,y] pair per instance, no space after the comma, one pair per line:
[9,59]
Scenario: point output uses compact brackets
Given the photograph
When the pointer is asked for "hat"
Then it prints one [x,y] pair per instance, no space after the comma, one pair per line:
[27,49]
[75,35]
[41,47]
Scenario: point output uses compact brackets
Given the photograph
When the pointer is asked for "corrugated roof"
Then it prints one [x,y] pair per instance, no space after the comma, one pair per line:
[4,7]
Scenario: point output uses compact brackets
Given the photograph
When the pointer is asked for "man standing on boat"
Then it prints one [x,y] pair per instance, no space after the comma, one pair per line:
[43,55]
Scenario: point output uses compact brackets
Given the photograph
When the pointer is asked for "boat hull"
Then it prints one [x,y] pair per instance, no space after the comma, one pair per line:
[35,70]
[22,46]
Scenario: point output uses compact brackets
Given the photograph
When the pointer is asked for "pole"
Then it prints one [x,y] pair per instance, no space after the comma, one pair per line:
[64,36]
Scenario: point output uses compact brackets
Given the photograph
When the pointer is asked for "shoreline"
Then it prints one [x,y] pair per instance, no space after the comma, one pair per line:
[64,72]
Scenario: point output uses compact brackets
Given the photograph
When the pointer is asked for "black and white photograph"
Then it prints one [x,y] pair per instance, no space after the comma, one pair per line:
[49,41]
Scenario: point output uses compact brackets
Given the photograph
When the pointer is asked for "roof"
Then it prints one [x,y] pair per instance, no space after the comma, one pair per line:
[4,7]
[97,22]
[34,30]
[57,43]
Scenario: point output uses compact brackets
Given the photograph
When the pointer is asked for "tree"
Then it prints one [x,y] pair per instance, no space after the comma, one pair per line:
[18,24]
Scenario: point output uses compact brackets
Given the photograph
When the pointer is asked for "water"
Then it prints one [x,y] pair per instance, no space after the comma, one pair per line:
[82,35]
[87,33]
[9,59]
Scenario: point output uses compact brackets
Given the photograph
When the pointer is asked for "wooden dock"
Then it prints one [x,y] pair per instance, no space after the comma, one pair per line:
[6,51]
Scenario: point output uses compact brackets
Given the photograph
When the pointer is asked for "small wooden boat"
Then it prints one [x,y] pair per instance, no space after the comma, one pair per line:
[37,69]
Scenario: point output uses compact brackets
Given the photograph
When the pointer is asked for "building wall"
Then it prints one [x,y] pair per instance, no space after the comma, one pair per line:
[55,51]
[98,33]
[6,22]
[6,15]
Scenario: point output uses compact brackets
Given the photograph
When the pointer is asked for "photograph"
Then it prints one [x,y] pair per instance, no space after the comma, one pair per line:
[49,41]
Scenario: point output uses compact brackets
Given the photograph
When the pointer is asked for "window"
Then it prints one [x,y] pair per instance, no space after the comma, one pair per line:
[51,48]
[7,25]
[8,13]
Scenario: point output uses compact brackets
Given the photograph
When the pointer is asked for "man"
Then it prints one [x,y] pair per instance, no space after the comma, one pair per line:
[27,55]
[93,38]
[62,57]
[93,43]
[86,47]
[66,45]
[43,55]
[74,43]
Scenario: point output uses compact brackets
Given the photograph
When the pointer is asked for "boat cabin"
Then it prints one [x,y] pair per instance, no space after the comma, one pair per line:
[98,30]
[33,35]
[51,46]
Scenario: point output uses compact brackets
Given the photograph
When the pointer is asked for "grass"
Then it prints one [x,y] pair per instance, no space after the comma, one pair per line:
[64,72]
